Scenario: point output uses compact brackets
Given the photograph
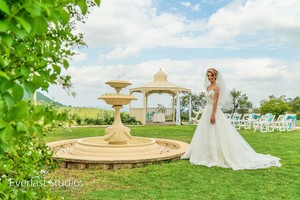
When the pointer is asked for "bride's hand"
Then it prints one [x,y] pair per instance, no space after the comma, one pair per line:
[212,119]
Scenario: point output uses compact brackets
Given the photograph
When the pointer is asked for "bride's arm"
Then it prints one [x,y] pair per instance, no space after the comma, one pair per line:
[216,98]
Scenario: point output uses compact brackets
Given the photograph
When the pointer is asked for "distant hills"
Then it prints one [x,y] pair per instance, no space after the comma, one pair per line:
[44,99]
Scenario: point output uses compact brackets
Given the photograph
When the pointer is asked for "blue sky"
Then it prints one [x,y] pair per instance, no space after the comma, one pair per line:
[254,43]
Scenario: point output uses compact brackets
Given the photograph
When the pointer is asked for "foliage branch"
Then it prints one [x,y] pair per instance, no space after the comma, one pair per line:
[36,42]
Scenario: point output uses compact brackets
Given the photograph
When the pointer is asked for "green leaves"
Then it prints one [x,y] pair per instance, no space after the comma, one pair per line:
[9,101]
[4,26]
[4,75]
[65,16]
[21,127]
[83,6]
[40,26]
[34,8]
[274,105]
[7,133]
[7,40]
[24,23]
[17,92]
[65,63]
[98,2]
[30,87]
[4,7]
[18,112]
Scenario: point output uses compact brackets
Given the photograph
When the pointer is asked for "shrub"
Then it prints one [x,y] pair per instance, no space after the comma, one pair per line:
[128,119]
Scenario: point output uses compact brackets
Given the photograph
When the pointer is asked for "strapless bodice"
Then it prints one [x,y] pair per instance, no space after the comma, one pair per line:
[209,96]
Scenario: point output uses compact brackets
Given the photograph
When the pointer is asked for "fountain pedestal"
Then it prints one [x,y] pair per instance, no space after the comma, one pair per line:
[117,133]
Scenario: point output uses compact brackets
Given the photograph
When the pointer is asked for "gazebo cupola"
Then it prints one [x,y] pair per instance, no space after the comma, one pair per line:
[160,76]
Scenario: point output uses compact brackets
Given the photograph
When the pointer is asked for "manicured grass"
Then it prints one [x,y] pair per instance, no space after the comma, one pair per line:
[180,180]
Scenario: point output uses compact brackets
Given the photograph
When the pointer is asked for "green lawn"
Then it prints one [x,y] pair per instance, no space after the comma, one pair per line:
[179,179]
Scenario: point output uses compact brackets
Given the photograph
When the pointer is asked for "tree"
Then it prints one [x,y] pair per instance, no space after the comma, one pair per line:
[240,102]
[197,101]
[274,105]
[295,106]
[36,42]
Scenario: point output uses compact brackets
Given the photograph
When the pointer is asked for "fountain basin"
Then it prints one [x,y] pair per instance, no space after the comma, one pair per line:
[95,152]
[99,148]
[118,84]
[117,99]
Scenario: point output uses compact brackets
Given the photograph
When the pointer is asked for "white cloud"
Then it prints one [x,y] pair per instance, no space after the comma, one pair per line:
[135,27]
[122,52]
[278,19]
[196,7]
[79,56]
[126,27]
[186,4]
[211,1]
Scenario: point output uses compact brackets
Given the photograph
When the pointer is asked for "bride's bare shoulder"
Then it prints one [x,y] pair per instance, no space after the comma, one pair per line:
[217,88]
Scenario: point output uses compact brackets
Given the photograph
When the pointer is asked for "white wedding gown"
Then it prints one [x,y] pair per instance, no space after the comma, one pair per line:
[221,145]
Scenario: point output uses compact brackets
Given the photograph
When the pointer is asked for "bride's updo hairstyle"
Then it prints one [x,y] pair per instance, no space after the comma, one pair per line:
[213,71]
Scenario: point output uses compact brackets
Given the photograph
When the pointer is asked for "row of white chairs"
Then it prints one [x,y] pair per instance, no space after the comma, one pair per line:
[262,123]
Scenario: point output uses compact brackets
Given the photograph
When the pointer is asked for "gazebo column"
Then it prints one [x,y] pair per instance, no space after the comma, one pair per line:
[190,108]
[144,107]
[173,107]
[129,105]
[146,110]
[178,120]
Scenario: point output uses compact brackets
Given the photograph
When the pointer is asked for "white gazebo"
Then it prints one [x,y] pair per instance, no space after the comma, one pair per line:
[159,85]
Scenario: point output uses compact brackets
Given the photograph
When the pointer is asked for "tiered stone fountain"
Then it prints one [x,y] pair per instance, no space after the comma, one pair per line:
[117,148]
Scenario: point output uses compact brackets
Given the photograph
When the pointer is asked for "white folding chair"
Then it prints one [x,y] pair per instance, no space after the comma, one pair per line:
[236,120]
[228,115]
[281,124]
[289,124]
[196,119]
[246,121]
[290,121]
[265,124]
[254,118]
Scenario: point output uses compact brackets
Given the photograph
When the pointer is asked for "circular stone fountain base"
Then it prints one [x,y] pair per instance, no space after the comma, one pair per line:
[97,147]
[95,152]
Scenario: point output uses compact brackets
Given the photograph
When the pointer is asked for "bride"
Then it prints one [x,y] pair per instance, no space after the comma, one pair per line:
[216,142]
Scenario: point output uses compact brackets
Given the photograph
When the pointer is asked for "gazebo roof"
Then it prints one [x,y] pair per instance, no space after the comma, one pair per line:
[160,84]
